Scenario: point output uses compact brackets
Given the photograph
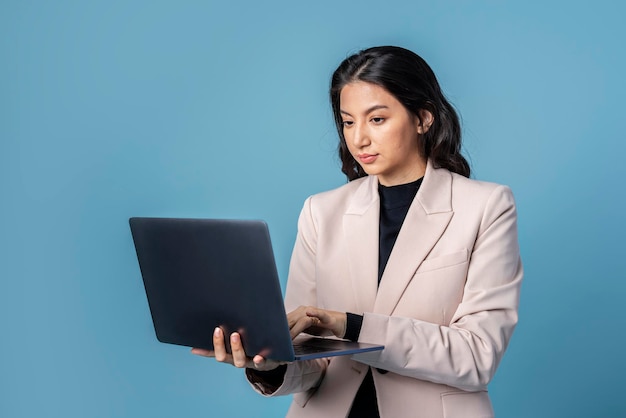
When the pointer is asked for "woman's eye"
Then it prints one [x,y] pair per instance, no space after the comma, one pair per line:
[378,121]
[347,123]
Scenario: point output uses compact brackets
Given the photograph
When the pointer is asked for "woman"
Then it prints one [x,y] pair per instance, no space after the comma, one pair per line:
[410,254]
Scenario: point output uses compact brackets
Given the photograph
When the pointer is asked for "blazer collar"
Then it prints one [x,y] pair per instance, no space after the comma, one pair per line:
[360,229]
[425,222]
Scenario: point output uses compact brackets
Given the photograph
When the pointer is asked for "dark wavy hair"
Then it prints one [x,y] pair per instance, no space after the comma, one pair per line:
[412,82]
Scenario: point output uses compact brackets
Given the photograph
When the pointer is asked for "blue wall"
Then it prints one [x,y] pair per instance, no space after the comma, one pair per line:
[218,109]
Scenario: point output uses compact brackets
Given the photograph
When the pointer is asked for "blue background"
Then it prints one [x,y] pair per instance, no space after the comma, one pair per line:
[219,109]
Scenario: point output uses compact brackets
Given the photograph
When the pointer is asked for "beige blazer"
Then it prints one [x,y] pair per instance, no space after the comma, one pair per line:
[445,308]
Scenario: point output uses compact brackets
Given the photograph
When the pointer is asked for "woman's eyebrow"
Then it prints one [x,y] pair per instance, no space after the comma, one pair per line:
[369,110]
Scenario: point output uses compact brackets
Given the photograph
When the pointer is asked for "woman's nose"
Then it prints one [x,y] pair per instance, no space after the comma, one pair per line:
[361,136]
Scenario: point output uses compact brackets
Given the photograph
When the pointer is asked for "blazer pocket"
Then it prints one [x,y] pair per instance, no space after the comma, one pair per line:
[443,261]
[466,405]
[301,398]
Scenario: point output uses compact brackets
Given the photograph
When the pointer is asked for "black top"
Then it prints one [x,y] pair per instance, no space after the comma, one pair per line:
[394,205]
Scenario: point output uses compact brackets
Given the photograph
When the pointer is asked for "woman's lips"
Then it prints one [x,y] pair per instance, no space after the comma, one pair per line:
[367,158]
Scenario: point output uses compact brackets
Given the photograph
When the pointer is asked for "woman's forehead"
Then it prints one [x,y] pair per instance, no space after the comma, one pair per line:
[364,94]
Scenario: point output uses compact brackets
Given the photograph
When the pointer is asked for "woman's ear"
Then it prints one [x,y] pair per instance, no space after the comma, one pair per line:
[424,121]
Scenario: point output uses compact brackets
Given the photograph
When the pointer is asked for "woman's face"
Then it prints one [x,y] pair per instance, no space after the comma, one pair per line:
[381,134]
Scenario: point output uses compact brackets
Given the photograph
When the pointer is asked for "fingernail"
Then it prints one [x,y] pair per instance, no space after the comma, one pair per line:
[234,338]
[217,332]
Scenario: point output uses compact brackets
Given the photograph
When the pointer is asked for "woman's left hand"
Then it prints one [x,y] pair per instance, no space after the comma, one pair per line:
[315,321]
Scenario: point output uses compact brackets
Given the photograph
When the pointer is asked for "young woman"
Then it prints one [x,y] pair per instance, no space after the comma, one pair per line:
[410,254]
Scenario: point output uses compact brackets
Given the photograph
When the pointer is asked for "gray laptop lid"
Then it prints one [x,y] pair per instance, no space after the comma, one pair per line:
[203,273]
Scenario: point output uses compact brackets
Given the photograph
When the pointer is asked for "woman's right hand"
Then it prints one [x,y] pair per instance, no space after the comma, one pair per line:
[316,321]
[238,357]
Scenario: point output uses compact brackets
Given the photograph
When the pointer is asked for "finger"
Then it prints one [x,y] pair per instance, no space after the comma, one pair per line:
[295,315]
[302,324]
[330,320]
[259,362]
[239,355]
[203,352]
[323,316]
[218,345]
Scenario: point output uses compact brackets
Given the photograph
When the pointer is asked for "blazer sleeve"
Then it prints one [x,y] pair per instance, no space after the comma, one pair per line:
[306,375]
[466,353]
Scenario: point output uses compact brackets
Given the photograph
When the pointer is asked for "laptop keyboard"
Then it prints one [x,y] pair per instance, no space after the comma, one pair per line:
[301,349]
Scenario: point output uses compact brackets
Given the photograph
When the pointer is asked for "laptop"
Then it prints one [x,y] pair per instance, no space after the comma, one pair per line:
[203,273]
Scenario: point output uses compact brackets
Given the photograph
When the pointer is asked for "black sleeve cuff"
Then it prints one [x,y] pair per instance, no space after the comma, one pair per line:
[272,379]
[353,326]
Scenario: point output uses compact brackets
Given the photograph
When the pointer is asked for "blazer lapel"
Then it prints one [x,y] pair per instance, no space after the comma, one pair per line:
[360,229]
[425,222]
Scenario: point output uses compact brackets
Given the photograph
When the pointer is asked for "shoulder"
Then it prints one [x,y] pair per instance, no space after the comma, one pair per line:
[329,207]
[443,191]
[480,189]
[341,197]
[484,200]
[477,188]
